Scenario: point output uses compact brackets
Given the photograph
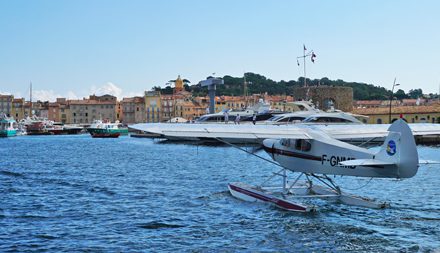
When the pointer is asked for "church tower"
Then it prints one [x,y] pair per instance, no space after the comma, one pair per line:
[178,85]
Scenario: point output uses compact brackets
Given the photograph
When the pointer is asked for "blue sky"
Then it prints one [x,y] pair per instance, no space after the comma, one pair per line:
[73,48]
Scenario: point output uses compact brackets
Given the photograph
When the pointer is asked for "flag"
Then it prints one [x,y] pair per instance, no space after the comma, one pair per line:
[313,57]
[305,49]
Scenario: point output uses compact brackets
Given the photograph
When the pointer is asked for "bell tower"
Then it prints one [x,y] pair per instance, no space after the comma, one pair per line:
[178,85]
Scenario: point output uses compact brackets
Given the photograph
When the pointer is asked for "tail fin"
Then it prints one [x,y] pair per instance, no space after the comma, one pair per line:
[400,148]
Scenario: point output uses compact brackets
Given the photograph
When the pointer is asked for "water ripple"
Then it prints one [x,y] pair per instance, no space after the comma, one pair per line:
[75,193]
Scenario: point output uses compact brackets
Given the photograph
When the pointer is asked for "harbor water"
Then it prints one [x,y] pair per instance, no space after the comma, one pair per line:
[76,193]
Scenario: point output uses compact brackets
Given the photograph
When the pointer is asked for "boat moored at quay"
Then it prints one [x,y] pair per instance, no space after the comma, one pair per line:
[105,129]
[8,127]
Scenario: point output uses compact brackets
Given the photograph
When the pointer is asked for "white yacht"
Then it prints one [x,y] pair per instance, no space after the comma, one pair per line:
[260,107]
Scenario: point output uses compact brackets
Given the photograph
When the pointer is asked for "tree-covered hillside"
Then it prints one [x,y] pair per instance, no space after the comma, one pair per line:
[258,84]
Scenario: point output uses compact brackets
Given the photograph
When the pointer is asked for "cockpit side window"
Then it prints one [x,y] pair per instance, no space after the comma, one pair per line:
[303,145]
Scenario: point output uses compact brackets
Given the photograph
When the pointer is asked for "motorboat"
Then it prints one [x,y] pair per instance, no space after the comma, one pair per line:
[105,129]
[331,118]
[231,115]
[289,118]
[61,129]
[8,127]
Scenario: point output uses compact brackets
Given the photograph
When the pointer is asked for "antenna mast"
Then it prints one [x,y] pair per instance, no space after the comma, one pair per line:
[304,56]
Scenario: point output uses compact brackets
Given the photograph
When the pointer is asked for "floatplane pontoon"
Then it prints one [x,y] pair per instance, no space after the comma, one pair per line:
[317,155]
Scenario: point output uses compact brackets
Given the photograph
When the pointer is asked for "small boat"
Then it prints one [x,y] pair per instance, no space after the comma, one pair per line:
[8,127]
[42,127]
[61,129]
[104,129]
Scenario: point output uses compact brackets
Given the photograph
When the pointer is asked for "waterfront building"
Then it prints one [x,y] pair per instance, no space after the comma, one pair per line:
[18,111]
[153,106]
[53,112]
[167,107]
[411,114]
[281,103]
[127,105]
[133,110]
[220,104]
[85,111]
[367,104]
[189,109]
[65,115]
[119,111]
[6,104]
[38,108]
[43,112]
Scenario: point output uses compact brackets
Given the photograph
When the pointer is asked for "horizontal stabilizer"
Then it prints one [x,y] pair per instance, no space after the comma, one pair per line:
[365,162]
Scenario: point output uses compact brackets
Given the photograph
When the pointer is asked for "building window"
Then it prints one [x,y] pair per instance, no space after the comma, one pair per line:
[74,114]
[379,121]
[87,114]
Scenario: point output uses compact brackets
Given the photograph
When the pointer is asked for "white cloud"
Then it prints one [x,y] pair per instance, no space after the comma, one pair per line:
[45,95]
[71,95]
[133,94]
[51,95]
[108,88]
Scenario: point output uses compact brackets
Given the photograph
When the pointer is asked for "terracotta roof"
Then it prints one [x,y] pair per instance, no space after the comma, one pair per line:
[368,102]
[91,102]
[18,100]
[398,109]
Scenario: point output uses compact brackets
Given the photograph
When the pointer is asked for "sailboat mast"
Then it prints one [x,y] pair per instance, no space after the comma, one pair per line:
[30,100]
[245,90]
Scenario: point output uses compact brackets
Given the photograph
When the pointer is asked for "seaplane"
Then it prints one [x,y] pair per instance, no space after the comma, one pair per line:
[316,155]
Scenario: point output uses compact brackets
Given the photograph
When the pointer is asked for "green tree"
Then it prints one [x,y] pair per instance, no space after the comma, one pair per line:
[400,94]
[415,93]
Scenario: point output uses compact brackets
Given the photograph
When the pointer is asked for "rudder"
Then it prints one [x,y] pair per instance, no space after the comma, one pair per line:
[400,148]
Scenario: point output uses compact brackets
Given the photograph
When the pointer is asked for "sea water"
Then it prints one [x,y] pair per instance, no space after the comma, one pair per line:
[76,193]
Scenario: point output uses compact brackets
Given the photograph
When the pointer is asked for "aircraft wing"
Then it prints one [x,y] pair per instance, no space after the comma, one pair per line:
[249,132]
[236,132]
[365,162]
[230,131]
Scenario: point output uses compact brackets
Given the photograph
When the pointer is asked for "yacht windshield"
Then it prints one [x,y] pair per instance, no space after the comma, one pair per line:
[275,118]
